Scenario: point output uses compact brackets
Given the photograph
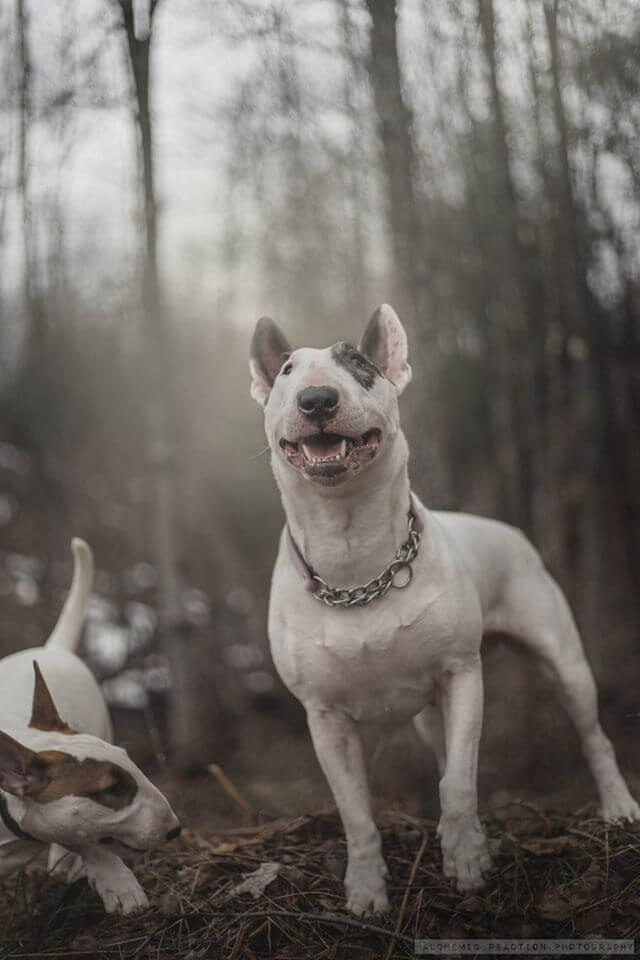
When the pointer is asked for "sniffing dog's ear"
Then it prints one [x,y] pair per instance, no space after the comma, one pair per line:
[44,715]
[269,349]
[385,343]
[21,770]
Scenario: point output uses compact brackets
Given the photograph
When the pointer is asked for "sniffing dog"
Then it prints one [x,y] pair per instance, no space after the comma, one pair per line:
[378,605]
[63,783]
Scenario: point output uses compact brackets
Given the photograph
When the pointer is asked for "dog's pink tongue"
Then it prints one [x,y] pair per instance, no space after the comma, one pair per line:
[323,447]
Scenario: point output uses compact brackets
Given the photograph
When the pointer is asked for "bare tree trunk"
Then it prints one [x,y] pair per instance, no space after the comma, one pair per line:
[414,291]
[585,450]
[521,335]
[547,505]
[34,369]
[160,412]
[24,113]
[355,165]
[34,318]
[399,160]
[501,452]
[526,366]
[599,439]
[5,85]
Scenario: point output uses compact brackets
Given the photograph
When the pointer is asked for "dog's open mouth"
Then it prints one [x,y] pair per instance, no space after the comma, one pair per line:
[327,456]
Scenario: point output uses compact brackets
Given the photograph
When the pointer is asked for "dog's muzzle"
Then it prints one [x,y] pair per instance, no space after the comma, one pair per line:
[331,456]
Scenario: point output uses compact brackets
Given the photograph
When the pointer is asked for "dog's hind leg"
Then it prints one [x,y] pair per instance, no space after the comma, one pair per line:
[64,864]
[429,727]
[539,615]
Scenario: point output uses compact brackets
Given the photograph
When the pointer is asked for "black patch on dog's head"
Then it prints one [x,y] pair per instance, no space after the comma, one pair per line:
[360,368]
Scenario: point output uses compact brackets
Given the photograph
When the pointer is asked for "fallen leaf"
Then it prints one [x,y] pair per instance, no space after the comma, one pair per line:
[223,848]
[472,904]
[257,882]
[594,920]
[85,942]
[562,901]
[541,845]
[169,904]
[552,905]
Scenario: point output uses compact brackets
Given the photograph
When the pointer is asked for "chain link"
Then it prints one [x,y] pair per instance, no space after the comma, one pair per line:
[378,586]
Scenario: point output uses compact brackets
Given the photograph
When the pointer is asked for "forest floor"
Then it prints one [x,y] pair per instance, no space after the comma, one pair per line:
[274,890]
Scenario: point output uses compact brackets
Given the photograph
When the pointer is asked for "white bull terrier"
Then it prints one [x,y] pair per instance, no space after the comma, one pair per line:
[62,782]
[372,654]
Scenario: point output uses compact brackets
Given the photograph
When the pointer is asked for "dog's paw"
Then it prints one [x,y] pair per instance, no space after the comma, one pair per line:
[116,886]
[620,807]
[366,888]
[465,853]
[126,899]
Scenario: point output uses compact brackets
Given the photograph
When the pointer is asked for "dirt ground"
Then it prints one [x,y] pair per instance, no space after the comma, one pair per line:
[274,890]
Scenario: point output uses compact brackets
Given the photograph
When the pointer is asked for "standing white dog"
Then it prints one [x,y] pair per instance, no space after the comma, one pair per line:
[62,782]
[374,654]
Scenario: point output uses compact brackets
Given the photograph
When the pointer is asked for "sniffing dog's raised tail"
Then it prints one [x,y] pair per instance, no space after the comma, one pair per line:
[66,633]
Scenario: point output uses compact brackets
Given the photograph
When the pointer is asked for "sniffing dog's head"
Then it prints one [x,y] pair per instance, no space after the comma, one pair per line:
[76,789]
[330,413]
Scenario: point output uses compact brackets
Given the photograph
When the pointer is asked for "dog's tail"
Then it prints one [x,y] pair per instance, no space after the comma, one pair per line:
[66,633]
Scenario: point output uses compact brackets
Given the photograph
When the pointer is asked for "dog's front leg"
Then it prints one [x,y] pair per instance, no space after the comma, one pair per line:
[339,753]
[112,880]
[464,845]
[65,865]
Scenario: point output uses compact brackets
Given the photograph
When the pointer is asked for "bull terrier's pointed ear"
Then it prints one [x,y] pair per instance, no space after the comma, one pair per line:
[385,342]
[44,715]
[21,770]
[269,349]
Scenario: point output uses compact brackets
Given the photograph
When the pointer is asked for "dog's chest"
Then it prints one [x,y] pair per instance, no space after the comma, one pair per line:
[379,663]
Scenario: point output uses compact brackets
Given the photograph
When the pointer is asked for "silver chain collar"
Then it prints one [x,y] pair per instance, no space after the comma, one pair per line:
[378,586]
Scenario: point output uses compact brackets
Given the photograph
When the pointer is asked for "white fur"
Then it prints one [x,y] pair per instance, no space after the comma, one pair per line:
[66,632]
[416,652]
[260,387]
[391,355]
[74,825]
[112,880]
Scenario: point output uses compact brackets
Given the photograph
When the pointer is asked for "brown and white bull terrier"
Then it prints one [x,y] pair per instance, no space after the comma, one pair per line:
[63,783]
[368,653]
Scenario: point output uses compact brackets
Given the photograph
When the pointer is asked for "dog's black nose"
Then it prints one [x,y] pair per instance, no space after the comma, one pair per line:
[318,403]
[174,833]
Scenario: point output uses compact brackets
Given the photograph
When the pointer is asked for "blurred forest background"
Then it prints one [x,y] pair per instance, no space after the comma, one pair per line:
[172,169]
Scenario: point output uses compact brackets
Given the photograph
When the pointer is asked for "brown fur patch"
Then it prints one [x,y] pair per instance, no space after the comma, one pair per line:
[44,715]
[98,780]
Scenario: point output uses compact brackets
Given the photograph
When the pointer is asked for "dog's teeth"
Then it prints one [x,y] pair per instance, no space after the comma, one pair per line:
[305,450]
[343,449]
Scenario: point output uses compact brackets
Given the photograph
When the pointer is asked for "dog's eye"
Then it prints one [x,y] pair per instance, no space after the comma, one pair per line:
[120,792]
[123,786]
[358,359]
[286,370]
[119,788]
